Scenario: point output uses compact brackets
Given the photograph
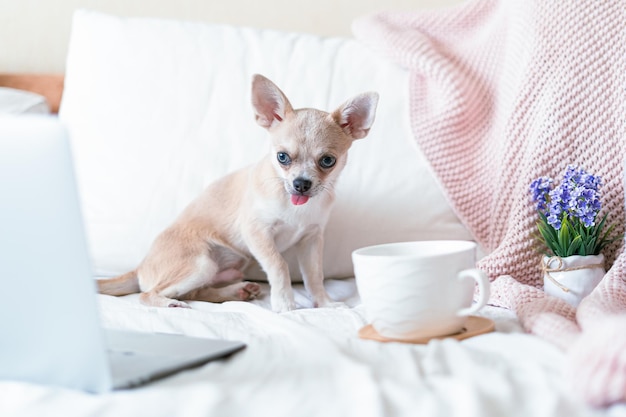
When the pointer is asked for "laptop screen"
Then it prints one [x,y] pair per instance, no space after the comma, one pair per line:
[48,318]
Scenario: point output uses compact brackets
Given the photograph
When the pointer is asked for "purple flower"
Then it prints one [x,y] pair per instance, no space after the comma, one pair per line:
[581,178]
[584,202]
[555,210]
[567,214]
[577,196]
[540,188]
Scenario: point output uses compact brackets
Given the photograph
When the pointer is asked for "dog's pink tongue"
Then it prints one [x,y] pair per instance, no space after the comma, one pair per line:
[298,200]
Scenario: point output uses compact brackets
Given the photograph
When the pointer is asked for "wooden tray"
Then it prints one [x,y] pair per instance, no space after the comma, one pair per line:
[473,327]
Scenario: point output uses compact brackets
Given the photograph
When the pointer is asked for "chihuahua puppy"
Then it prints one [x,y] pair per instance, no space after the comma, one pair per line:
[284,200]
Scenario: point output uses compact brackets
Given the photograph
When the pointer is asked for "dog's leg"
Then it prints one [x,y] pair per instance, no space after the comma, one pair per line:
[310,258]
[155,299]
[262,246]
[183,280]
[239,291]
[226,285]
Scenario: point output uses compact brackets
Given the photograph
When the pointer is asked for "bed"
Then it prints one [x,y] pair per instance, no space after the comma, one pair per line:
[311,362]
[141,97]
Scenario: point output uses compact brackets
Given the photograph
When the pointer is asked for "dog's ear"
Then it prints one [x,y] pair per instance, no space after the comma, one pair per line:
[356,115]
[270,104]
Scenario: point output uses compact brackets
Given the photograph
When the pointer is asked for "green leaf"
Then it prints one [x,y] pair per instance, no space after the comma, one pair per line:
[574,246]
[564,237]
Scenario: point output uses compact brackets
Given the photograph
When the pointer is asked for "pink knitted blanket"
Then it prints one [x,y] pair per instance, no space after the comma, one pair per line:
[503,92]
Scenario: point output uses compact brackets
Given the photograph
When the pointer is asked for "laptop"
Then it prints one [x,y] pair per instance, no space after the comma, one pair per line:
[50,331]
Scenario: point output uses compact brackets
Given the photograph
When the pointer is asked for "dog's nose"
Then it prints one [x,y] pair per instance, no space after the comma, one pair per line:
[301,185]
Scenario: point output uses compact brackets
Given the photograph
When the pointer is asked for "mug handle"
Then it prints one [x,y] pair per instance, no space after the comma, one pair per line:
[483,288]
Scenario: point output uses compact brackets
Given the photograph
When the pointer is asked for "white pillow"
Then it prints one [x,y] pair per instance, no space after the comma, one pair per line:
[13,101]
[158,109]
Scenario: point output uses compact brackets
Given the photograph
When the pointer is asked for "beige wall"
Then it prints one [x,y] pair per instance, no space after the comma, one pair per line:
[34,33]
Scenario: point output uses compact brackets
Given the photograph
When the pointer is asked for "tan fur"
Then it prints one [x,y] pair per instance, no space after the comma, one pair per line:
[249,213]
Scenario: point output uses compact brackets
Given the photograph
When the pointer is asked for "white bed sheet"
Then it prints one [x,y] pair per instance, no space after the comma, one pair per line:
[310,362]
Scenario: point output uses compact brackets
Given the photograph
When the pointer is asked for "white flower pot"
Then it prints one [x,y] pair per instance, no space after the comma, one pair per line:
[572,278]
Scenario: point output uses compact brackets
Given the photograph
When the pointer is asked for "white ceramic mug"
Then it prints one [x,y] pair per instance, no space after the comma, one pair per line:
[419,289]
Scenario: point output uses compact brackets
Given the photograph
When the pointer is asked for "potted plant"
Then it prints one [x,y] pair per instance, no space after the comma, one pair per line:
[569,233]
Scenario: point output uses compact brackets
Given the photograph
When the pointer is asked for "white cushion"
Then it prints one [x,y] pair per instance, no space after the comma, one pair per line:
[13,101]
[158,109]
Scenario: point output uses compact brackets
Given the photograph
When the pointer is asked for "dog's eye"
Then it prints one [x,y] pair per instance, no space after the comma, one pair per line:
[327,161]
[283,158]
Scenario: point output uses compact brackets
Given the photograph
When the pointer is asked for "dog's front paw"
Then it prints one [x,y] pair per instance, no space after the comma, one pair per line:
[283,304]
[330,304]
[322,300]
